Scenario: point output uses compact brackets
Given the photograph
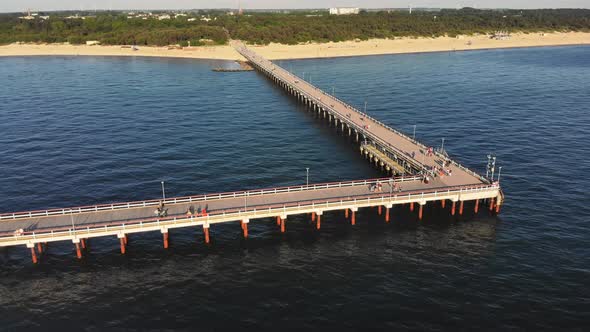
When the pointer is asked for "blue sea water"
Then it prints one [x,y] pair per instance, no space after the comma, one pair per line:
[86,130]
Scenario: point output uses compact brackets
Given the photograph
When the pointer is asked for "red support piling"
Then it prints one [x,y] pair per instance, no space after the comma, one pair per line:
[420,212]
[498,208]
[126,240]
[206,231]
[476,208]
[318,223]
[353,220]
[83,242]
[165,235]
[442,203]
[491,204]
[282,225]
[346,213]
[412,206]
[313,216]
[122,240]
[387,215]
[245,228]
[453,209]
[40,248]
[461,208]
[33,255]
[379,209]
[78,252]
[279,221]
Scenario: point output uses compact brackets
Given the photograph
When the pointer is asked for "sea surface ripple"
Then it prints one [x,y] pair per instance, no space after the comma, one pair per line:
[87,130]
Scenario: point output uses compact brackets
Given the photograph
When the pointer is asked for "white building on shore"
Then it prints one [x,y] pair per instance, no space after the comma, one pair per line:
[344,11]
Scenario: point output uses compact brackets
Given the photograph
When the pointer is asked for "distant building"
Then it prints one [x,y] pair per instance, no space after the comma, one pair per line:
[92,42]
[344,11]
[164,17]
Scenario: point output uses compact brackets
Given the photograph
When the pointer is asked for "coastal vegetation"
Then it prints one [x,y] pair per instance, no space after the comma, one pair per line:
[215,27]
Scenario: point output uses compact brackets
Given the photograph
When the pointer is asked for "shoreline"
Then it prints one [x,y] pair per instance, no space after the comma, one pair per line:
[403,45]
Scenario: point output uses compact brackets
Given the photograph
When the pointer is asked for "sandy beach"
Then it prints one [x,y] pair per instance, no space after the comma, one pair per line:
[311,50]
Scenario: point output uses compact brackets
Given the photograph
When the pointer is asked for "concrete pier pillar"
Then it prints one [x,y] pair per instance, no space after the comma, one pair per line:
[206,232]
[122,240]
[78,251]
[33,255]
[461,208]
[412,206]
[442,203]
[420,210]
[245,227]
[453,209]
[476,208]
[165,238]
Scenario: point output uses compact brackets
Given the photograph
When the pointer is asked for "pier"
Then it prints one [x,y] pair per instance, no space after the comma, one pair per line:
[416,176]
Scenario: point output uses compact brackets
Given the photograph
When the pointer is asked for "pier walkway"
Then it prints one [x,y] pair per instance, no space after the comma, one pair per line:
[384,137]
[418,180]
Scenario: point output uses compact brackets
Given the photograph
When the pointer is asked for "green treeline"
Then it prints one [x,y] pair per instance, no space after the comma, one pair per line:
[116,28]
[113,29]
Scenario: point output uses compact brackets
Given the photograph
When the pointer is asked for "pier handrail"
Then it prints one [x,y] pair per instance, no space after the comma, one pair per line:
[319,203]
[197,198]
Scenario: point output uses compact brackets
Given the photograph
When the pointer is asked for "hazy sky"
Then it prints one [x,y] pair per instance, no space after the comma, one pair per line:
[22,5]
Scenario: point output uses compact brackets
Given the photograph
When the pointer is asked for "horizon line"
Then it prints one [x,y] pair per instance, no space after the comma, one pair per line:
[276,9]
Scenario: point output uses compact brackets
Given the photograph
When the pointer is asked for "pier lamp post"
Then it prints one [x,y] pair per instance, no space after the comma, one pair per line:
[163,192]
[307,176]
[365,107]
[499,173]
[72,219]
[414,135]
[493,166]
[442,146]
[488,166]
[333,90]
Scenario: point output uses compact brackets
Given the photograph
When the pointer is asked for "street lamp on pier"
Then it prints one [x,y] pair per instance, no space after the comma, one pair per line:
[414,135]
[163,192]
[307,176]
